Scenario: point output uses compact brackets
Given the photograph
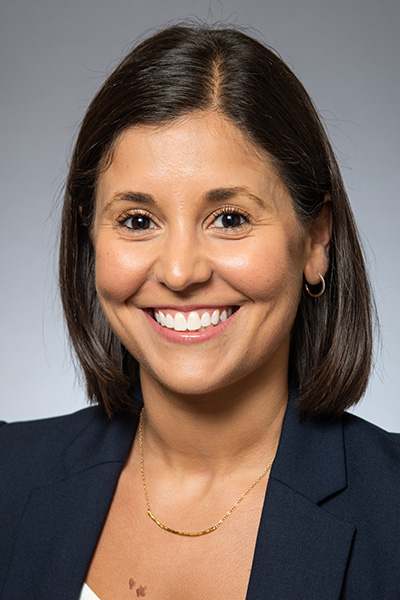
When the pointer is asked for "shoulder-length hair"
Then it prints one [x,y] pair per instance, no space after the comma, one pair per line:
[189,68]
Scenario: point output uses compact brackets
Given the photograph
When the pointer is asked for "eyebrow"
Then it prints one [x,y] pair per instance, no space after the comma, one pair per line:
[139,197]
[216,195]
[231,192]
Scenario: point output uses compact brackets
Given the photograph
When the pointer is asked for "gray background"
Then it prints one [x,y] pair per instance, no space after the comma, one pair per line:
[54,56]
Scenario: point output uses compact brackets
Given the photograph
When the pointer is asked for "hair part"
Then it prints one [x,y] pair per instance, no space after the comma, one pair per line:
[176,72]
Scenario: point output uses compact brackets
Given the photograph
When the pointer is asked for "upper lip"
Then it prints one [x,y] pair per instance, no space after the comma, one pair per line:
[190,307]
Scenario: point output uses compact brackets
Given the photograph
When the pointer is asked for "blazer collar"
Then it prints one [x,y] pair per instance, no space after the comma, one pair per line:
[101,441]
[302,550]
[310,457]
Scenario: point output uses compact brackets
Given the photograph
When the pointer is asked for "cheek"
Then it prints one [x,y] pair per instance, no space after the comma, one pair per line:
[119,273]
[266,268]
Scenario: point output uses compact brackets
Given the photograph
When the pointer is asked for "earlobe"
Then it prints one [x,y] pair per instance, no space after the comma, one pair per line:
[319,237]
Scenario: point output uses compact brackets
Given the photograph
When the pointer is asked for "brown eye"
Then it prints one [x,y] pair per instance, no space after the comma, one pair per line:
[139,222]
[229,220]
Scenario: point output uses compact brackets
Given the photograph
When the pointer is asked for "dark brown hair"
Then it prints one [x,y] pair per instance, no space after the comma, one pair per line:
[189,68]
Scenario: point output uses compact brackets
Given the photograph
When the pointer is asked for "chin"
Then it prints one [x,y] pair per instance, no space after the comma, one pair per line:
[198,384]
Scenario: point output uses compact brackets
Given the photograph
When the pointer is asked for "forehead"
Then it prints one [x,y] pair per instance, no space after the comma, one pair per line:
[202,150]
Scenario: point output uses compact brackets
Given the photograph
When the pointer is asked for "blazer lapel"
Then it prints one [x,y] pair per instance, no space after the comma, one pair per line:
[63,520]
[302,550]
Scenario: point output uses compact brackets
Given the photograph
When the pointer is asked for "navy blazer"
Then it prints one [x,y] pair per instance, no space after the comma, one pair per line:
[330,525]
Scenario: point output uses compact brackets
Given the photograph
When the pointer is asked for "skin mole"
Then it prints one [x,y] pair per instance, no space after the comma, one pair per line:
[141,591]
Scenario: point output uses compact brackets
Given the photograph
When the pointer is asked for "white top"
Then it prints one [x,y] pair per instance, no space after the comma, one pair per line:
[87,594]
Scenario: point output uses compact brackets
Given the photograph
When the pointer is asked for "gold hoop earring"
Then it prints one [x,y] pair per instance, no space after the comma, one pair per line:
[322,280]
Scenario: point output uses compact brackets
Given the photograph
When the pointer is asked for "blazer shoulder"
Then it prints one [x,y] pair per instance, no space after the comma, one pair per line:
[31,450]
[372,470]
[369,440]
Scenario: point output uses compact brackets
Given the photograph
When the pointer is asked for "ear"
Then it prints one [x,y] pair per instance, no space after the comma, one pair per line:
[80,210]
[318,239]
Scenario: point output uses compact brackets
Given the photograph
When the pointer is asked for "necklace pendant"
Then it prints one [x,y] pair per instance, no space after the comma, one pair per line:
[183,533]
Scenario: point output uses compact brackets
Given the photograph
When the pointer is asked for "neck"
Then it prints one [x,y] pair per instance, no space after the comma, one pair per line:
[235,428]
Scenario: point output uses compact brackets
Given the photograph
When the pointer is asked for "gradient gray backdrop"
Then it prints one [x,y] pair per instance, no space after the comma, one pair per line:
[54,56]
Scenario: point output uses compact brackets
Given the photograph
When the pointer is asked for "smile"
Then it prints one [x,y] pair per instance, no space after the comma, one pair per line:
[195,320]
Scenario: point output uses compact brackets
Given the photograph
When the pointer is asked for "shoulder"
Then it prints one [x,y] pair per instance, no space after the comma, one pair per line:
[369,446]
[67,422]
[31,450]
[41,431]
[371,498]
[373,470]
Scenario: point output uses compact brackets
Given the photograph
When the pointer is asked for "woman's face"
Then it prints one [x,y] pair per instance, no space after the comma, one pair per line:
[199,254]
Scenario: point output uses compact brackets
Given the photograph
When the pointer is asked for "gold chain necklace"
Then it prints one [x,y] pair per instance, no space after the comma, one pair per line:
[185,533]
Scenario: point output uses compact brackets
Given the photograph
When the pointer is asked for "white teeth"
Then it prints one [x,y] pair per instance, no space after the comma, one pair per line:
[179,322]
[193,322]
[205,320]
[215,317]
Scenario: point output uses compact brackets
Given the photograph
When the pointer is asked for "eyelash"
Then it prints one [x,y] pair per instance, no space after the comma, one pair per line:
[226,210]
[232,210]
[126,216]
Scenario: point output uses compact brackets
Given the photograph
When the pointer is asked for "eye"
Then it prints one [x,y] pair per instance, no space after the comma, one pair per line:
[230,220]
[139,222]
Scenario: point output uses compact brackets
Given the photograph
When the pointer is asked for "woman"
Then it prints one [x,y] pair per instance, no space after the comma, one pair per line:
[216,298]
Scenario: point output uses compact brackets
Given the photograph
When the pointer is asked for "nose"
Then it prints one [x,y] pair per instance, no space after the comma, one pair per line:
[182,261]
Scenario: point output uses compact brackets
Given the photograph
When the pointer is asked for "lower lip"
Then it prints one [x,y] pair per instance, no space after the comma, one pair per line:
[190,337]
